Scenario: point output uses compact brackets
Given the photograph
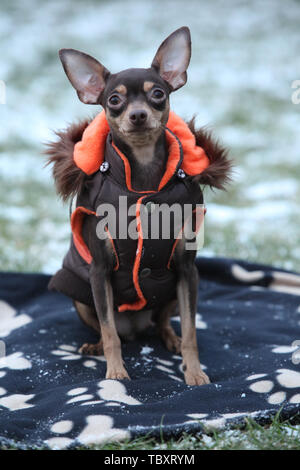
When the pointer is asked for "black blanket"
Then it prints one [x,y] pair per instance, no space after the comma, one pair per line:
[248,333]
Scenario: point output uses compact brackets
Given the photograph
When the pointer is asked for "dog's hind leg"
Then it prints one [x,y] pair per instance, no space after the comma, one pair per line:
[166,331]
[89,317]
[90,349]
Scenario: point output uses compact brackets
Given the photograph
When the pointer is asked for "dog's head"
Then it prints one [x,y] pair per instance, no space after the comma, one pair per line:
[136,101]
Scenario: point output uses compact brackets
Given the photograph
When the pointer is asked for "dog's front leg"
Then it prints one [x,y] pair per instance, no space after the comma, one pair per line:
[103,298]
[187,287]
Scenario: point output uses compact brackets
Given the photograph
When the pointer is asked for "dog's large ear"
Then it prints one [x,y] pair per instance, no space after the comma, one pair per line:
[173,57]
[85,73]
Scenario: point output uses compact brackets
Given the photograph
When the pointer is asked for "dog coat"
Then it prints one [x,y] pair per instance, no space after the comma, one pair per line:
[144,274]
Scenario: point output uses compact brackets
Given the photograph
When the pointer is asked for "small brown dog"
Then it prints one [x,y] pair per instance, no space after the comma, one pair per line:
[149,156]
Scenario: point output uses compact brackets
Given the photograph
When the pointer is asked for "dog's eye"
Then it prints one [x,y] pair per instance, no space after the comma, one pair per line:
[114,100]
[157,94]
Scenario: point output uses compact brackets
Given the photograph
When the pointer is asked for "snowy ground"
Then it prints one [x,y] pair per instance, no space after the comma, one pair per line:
[245,58]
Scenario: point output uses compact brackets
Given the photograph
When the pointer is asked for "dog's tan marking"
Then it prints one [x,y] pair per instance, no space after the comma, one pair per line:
[122,90]
[148,86]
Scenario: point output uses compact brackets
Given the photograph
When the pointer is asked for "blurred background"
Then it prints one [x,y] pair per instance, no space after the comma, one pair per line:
[245,57]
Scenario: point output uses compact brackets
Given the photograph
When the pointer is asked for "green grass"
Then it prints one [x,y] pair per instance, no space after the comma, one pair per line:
[249,435]
[277,436]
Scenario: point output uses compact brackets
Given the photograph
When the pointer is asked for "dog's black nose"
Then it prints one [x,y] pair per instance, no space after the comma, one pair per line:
[138,117]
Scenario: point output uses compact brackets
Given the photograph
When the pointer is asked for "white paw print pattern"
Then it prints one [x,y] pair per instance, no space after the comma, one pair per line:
[14,361]
[282,282]
[292,349]
[288,379]
[16,401]
[10,321]
[219,422]
[68,352]
[98,430]
[169,367]
[111,393]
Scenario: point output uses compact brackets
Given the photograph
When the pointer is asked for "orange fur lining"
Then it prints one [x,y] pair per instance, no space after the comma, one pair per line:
[195,159]
[89,152]
[76,225]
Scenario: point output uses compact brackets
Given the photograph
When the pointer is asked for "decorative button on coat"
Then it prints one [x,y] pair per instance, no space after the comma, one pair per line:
[145,272]
[104,167]
[181,174]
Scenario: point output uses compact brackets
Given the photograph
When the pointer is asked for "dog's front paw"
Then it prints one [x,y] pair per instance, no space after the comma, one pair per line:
[117,373]
[196,377]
